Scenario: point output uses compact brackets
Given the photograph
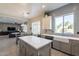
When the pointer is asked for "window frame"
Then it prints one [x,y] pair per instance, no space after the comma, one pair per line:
[39,26]
[23,27]
[64,22]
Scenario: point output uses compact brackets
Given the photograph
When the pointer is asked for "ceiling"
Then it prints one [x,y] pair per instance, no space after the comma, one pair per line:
[19,11]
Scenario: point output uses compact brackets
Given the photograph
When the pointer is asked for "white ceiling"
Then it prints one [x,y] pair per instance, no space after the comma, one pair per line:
[50,6]
[17,10]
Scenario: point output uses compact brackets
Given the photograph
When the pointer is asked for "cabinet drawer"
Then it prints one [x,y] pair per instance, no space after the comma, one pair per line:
[74,47]
[56,44]
[62,46]
[75,50]
[74,42]
[65,47]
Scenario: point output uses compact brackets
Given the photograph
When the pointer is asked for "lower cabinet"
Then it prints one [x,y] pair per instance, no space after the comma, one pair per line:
[56,44]
[74,47]
[27,50]
[21,48]
[62,46]
[65,47]
[71,48]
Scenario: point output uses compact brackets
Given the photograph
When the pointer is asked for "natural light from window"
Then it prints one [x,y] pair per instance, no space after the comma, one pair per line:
[64,24]
[36,27]
[24,27]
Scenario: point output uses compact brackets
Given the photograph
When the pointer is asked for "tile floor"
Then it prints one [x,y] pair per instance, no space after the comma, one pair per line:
[8,47]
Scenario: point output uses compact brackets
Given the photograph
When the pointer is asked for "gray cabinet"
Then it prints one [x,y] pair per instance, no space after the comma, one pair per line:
[71,48]
[27,50]
[21,48]
[56,44]
[74,47]
[65,47]
[62,46]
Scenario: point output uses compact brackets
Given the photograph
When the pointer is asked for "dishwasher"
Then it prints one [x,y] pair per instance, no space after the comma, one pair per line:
[50,38]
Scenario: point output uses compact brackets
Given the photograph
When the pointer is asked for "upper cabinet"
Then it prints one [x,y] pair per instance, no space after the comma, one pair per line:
[47,22]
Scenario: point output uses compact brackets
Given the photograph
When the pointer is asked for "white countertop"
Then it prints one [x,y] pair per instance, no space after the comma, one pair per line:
[76,37]
[35,42]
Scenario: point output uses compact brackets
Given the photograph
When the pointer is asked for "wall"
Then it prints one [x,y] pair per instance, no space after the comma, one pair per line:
[70,8]
[29,23]
[44,24]
[3,26]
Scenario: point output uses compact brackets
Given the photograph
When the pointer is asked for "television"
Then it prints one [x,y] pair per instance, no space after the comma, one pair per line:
[11,29]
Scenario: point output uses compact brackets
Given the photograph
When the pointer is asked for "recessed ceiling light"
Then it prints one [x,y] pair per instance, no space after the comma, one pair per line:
[43,6]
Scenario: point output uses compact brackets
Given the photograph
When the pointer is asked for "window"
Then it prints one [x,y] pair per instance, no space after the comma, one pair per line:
[36,27]
[64,24]
[59,24]
[24,27]
[68,24]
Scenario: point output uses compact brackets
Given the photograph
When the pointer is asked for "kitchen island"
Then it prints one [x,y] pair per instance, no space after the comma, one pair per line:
[34,46]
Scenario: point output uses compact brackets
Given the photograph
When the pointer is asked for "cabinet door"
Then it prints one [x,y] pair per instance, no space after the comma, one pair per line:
[45,51]
[75,47]
[75,50]
[62,46]
[65,47]
[56,44]
[21,48]
[46,22]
